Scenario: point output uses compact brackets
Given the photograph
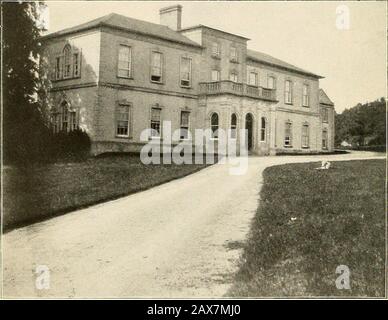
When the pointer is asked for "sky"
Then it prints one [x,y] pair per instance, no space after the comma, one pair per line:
[317,36]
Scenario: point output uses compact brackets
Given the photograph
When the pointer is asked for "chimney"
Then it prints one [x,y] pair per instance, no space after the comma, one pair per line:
[171,17]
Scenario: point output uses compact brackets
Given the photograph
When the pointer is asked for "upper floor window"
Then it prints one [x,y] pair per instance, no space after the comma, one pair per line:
[184,128]
[233,126]
[288,92]
[155,122]
[253,79]
[263,132]
[306,99]
[271,83]
[156,66]
[216,52]
[233,76]
[67,62]
[185,72]
[215,75]
[122,120]
[76,64]
[68,65]
[305,136]
[214,125]
[58,68]
[125,61]
[288,134]
[233,54]
[325,112]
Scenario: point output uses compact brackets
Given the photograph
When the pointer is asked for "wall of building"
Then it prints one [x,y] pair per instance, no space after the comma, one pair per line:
[85,103]
[206,37]
[142,46]
[226,105]
[297,120]
[264,71]
[88,44]
[98,91]
[140,115]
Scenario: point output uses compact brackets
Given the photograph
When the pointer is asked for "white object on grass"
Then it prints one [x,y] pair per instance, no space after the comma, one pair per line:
[324,166]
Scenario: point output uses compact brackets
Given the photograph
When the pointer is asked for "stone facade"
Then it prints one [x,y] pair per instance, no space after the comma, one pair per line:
[223,76]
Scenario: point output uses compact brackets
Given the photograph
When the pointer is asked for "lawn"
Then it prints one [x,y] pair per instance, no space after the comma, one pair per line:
[40,192]
[311,221]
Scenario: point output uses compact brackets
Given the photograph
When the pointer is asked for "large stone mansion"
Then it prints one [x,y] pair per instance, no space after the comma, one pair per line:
[116,76]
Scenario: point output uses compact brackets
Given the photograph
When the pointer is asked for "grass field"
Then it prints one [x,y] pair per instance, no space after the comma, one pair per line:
[311,221]
[40,192]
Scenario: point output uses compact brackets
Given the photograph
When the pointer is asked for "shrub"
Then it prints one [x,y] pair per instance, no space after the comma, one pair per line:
[74,145]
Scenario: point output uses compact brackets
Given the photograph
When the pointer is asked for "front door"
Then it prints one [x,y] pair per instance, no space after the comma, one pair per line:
[249,128]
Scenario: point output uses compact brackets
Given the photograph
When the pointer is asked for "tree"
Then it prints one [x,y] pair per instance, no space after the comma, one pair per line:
[364,124]
[25,126]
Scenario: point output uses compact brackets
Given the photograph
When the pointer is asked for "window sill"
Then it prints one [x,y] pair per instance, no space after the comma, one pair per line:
[64,79]
[305,106]
[122,137]
[185,87]
[214,56]
[156,82]
[122,77]
[234,61]
[305,147]
[288,103]
[287,147]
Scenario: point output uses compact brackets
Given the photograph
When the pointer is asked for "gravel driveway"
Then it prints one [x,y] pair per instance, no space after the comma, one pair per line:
[181,239]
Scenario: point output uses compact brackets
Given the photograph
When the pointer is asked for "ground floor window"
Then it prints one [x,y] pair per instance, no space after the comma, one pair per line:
[233,126]
[155,122]
[184,128]
[324,139]
[288,134]
[305,136]
[214,125]
[64,119]
[122,121]
[263,130]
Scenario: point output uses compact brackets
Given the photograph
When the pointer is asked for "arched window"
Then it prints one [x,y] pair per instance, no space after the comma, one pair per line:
[263,130]
[214,125]
[67,61]
[233,126]
[65,119]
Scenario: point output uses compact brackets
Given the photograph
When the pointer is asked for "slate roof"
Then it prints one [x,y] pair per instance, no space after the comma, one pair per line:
[324,99]
[269,60]
[119,21]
